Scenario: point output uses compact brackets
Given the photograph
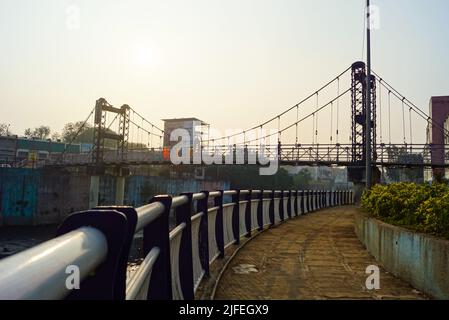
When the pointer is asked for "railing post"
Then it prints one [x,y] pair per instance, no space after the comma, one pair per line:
[183,214]
[102,285]
[271,212]
[289,204]
[236,217]
[131,217]
[295,203]
[323,198]
[313,196]
[260,211]
[219,235]
[333,198]
[281,206]
[300,201]
[318,195]
[156,234]
[248,208]
[319,200]
[204,233]
[305,201]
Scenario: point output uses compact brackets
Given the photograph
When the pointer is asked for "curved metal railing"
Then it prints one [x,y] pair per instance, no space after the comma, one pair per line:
[93,247]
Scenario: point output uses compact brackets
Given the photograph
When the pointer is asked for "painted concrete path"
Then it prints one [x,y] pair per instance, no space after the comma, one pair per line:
[316,256]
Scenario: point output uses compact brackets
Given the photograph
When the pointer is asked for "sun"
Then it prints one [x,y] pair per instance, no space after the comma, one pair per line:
[147,56]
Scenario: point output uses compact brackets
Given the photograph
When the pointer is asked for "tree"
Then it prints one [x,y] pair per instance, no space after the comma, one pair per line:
[42,132]
[402,155]
[55,136]
[4,129]
[303,179]
[248,177]
[83,132]
[28,133]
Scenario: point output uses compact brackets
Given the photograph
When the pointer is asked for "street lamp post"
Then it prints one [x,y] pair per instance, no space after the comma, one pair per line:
[368,99]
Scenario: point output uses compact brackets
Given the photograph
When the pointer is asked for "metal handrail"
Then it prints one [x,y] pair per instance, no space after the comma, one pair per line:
[179,201]
[40,272]
[142,276]
[148,213]
[199,196]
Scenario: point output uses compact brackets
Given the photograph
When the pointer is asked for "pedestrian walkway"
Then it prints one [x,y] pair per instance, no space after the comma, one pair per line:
[316,256]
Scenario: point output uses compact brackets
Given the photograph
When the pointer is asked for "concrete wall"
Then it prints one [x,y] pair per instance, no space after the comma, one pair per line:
[419,259]
[32,197]
[39,197]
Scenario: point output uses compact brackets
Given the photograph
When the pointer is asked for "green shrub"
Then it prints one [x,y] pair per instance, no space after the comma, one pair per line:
[421,207]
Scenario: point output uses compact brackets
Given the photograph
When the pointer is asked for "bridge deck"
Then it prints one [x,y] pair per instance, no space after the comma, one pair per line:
[316,256]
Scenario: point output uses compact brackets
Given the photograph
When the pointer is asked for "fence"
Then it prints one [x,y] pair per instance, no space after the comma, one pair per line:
[98,243]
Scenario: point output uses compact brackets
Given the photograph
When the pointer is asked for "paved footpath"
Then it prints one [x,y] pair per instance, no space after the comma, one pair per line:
[316,256]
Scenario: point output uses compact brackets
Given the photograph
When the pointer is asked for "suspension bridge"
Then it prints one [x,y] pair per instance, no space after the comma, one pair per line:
[325,128]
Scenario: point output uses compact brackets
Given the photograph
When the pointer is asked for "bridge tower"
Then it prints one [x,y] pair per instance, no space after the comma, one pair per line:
[102,107]
[359,101]
[357,172]
[101,133]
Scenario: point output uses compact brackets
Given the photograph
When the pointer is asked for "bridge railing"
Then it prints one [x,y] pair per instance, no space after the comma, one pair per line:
[92,248]
[435,155]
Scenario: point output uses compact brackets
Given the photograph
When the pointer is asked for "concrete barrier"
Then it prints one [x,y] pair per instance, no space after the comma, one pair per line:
[420,259]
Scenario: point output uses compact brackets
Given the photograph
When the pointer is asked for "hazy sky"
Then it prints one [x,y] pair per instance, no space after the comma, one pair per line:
[231,63]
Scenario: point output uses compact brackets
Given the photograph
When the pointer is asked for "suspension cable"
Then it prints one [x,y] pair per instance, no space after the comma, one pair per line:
[338,109]
[416,109]
[291,108]
[150,123]
[303,118]
[313,129]
[411,127]
[389,116]
[403,122]
[332,121]
[380,110]
[297,125]
[76,134]
[316,119]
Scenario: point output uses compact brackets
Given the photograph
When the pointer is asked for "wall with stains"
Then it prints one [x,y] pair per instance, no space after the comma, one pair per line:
[420,259]
[42,196]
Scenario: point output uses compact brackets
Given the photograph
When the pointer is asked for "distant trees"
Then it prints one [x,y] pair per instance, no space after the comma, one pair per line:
[402,155]
[248,177]
[4,129]
[78,132]
[303,179]
[75,132]
[41,132]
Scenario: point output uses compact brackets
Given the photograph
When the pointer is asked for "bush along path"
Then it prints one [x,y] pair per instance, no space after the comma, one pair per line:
[423,208]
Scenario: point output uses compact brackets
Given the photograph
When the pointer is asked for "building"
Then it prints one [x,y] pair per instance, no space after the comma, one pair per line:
[194,127]
[15,150]
[436,138]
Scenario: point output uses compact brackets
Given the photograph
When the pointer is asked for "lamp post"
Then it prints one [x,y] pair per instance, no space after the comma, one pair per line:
[368,100]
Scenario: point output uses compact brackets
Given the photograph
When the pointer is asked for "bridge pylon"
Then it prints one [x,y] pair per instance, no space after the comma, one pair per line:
[359,132]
